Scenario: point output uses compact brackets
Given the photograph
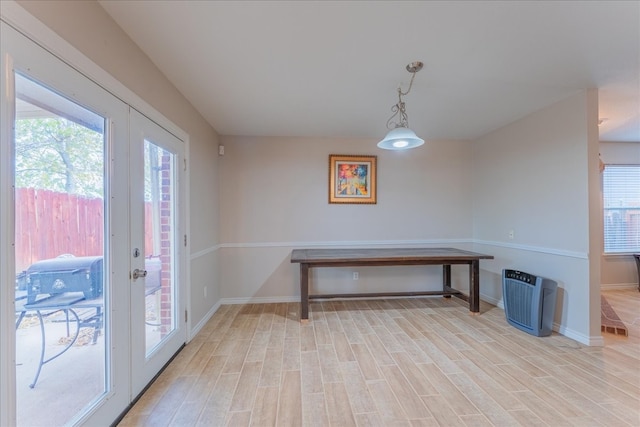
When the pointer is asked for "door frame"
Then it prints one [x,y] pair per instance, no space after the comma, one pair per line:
[7,264]
[15,16]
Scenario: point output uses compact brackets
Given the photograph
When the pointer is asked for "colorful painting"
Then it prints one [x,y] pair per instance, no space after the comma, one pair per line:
[352,179]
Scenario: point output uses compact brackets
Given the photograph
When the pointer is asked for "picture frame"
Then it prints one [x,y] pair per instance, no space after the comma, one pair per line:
[352,179]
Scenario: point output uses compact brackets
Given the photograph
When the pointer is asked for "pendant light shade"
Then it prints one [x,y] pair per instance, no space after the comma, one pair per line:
[400,138]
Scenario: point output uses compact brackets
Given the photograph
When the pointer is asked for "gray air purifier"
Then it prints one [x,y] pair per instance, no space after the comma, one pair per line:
[529,301]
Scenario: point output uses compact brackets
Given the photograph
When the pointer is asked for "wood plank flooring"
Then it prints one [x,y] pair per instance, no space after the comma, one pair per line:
[401,362]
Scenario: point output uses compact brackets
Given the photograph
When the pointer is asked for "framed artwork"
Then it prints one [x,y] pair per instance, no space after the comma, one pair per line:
[352,179]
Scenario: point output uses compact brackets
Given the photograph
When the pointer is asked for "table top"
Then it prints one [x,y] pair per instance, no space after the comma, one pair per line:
[59,301]
[310,256]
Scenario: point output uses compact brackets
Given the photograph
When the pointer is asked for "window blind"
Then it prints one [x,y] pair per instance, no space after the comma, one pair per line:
[621,201]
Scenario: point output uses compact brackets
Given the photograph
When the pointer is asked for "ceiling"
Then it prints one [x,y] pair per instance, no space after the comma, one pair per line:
[332,68]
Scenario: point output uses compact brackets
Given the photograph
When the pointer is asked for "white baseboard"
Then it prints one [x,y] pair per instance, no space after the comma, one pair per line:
[596,341]
[497,302]
[194,331]
[257,300]
[592,341]
[268,300]
[617,286]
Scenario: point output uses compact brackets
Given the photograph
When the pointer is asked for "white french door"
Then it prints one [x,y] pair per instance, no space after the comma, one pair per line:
[157,315]
[66,134]
[108,188]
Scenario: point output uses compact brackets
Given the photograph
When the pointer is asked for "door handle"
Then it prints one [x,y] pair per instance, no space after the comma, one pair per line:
[137,273]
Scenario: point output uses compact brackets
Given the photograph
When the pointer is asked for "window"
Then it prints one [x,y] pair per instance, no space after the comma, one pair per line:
[621,201]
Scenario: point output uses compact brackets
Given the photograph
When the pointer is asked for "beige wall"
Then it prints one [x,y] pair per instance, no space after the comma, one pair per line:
[619,271]
[276,189]
[86,26]
[532,177]
[274,197]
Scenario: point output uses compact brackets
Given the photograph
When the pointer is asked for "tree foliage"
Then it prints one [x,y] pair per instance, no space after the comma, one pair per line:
[57,154]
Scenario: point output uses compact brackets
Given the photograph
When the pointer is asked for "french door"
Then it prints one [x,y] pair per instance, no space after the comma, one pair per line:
[91,260]
[156,166]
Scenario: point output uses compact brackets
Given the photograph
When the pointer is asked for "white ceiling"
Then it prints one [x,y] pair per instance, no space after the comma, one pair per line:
[332,68]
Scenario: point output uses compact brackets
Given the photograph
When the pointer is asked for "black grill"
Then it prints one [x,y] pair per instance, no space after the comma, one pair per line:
[77,274]
[65,274]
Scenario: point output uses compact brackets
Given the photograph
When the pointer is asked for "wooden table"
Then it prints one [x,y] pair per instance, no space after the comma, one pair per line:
[312,258]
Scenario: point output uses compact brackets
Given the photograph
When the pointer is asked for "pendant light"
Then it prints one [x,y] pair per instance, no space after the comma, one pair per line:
[400,137]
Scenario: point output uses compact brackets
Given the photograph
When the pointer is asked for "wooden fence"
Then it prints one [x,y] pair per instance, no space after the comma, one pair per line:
[50,224]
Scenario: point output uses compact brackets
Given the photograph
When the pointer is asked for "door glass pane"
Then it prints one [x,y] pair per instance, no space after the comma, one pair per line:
[159,229]
[59,178]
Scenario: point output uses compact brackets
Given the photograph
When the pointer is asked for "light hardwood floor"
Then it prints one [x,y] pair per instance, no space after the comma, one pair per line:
[403,362]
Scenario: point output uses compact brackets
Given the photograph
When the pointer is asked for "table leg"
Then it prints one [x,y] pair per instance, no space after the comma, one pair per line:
[304,292]
[474,286]
[44,342]
[446,278]
[66,313]
[98,324]
[22,313]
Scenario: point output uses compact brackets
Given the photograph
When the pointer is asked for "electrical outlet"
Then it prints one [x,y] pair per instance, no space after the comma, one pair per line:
[511,234]
[356,276]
